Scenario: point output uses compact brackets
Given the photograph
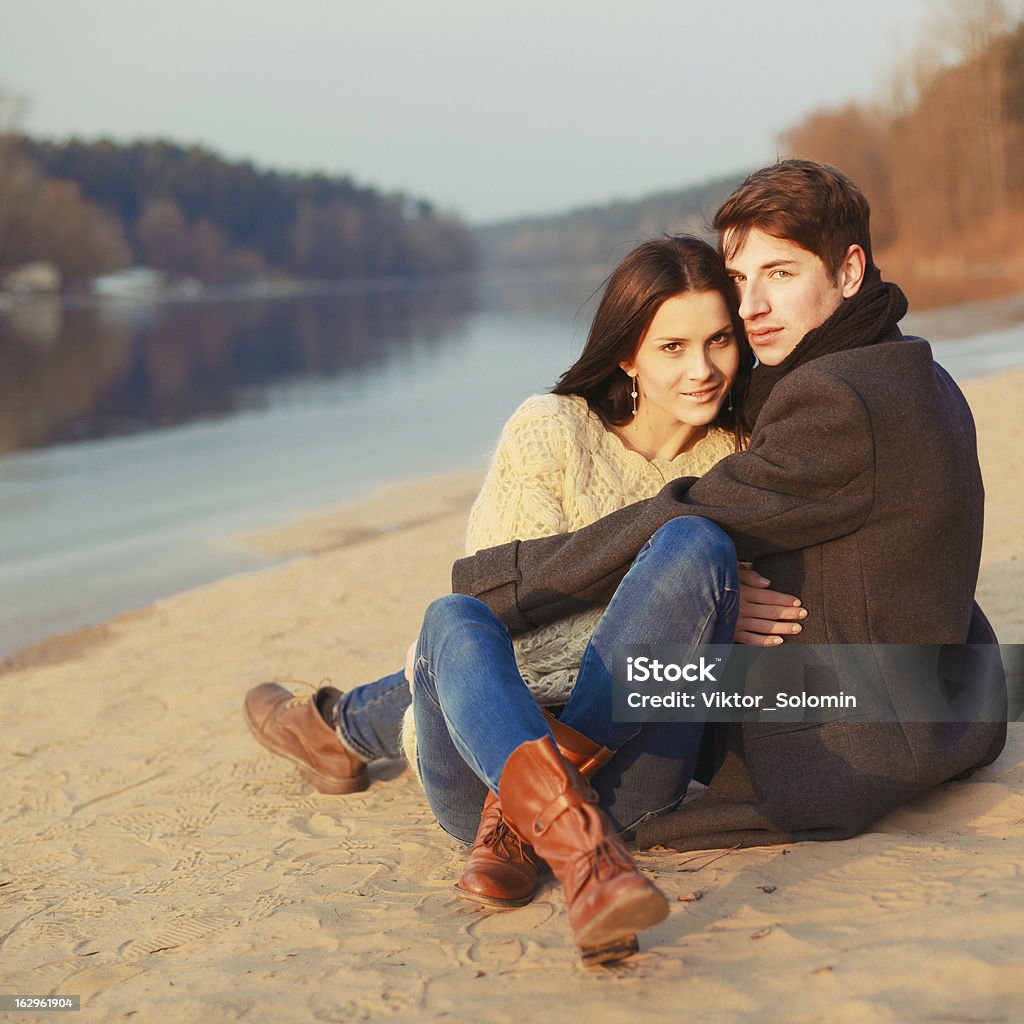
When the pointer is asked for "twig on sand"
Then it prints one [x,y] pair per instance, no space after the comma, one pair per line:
[700,867]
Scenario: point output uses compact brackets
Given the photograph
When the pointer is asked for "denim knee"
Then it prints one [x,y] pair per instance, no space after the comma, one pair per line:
[443,611]
[696,538]
[453,629]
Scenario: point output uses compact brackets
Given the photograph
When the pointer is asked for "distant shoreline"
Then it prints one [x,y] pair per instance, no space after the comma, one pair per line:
[927,294]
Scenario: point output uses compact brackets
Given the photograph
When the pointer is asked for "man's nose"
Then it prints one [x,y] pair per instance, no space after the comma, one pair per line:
[753,301]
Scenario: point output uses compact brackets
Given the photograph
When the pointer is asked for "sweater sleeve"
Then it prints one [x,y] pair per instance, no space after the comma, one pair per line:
[807,478]
[522,497]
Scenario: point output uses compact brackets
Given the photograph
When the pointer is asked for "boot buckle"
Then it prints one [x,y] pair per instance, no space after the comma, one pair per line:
[566,800]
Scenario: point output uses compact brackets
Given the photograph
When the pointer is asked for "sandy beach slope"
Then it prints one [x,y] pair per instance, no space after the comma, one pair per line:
[156,862]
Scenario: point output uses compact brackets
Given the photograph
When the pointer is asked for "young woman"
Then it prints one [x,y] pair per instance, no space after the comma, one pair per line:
[653,396]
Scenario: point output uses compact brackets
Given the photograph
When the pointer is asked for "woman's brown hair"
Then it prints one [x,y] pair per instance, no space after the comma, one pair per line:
[653,272]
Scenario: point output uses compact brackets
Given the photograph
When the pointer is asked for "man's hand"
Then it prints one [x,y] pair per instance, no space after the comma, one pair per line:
[766,616]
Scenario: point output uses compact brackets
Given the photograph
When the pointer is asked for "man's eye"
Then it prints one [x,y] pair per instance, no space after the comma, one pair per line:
[781,273]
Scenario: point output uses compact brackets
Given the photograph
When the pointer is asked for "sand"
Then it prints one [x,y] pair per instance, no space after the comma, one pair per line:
[159,864]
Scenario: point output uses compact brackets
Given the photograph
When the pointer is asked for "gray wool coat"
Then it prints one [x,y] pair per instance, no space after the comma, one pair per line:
[860,492]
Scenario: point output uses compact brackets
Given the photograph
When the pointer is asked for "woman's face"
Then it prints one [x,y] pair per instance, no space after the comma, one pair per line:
[687,361]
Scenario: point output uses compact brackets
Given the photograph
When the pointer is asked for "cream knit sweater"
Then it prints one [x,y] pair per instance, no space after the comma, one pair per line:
[557,469]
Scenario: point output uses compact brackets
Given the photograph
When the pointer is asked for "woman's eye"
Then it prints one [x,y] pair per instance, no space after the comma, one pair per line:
[721,339]
[672,346]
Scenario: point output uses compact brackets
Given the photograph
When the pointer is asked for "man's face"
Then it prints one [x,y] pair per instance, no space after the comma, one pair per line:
[785,291]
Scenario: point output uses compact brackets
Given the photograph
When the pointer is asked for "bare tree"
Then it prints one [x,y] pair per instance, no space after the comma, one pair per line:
[973,33]
[17,178]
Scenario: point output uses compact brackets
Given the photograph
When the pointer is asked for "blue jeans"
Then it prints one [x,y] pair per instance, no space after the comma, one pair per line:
[473,709]
[370,716]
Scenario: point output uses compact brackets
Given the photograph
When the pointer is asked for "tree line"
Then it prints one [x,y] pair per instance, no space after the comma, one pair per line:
[94,207]
[942,158]
[598,236]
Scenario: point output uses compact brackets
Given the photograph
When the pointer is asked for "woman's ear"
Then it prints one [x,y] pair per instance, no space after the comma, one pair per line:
[627,366]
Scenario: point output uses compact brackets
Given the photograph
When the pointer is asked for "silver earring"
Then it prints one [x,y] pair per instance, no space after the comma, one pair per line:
[634,394]
[730,401]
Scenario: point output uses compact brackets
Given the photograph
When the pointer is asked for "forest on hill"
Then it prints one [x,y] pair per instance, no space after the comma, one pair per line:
[94,207]
[600,235]
[941,159]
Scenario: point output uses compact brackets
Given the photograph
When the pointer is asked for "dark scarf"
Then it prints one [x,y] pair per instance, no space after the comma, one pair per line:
[865,319]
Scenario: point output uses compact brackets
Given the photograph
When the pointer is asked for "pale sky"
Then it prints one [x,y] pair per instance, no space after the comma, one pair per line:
[493,110]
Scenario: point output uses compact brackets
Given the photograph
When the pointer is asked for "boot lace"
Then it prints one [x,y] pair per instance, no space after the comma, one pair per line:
[303,690]
[504,842]
[607,861]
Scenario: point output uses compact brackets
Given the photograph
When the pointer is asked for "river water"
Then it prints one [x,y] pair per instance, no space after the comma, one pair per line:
[139,438]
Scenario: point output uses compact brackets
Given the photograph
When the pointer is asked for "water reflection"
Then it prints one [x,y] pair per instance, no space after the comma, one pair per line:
[94,371]
[88,371]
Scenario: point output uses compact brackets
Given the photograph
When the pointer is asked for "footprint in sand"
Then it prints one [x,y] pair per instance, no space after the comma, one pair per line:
[500,939]
[502,924]
[182,930]
[496,954]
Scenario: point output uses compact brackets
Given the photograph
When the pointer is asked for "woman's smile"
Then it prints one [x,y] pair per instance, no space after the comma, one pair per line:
[701,395]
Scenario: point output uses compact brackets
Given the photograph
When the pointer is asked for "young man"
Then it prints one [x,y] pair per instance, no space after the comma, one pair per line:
[860,491]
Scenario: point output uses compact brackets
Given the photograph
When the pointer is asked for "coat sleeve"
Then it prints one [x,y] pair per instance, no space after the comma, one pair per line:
[807,478]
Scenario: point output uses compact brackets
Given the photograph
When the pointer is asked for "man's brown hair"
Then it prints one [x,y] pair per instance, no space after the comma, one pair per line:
[814,205]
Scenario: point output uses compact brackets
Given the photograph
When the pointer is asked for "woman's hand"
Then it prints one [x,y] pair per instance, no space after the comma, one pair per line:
[410,659]
[766,616]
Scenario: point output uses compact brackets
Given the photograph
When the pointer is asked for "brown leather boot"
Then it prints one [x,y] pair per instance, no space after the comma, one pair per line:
[294,728]
[501,870]
[580,751]
[609,900]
